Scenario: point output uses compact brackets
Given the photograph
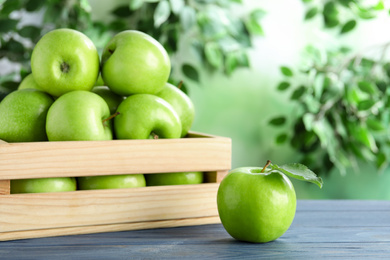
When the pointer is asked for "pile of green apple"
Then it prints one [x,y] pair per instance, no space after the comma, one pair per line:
[73,95]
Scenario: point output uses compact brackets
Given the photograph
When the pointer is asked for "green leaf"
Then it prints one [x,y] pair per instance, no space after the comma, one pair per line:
[117,25]
[213,54]
[31,32]
[283,85]
[348,26]
[122,11]
[253,24]
[311,13]
[177,6]
[366,14]
[281,139]
[367,87]
[380,5]
[231,63]
[298,93]
[286,71]
[187,18]
[7,25]
[34,5]
[85,6]
[330,13]
[162,13]
[135,4]
[9,6]
[277,121]
[190,72]
[299,172]
[308,120]
[365,104]
[364,136]
[381,161]
[374,124]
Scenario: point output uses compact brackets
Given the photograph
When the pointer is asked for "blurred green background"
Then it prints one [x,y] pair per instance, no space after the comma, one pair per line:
[233,82]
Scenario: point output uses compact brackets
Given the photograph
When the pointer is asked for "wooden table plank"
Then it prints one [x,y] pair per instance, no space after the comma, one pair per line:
[331,229]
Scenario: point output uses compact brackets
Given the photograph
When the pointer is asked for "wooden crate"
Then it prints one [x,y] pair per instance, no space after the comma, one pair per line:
[80,212]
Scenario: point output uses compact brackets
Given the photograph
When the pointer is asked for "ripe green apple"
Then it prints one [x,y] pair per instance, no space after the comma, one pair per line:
[28,82]
[64,60]
[143,115]
[174,178]
[182,105]
[111,182]
[23,116]
[134,63]
[43,185]
[79,116]
[256,206]
[113,100]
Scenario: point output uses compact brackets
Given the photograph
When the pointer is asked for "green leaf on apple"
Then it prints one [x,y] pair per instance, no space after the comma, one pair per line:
[298,171]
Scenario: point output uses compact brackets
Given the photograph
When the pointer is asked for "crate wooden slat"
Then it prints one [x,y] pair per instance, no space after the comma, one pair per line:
[87,158]
[79,212]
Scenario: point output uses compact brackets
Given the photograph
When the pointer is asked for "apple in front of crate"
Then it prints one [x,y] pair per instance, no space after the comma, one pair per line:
[174,178]
[143,115]
[79,116]
[23,116]
[41,185]
[111,182]
[133,63]
[64,60]
[182,105]
[113,100]
[258,204]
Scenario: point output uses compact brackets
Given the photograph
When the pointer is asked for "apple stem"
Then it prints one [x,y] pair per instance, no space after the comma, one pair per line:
[110,117]
[180,84]
[155,136]
[266,165]
[65,67]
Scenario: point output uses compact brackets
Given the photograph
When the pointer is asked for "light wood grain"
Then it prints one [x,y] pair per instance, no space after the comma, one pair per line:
[108,228]
[5,187]
[87,158]
[80,212]
[83,208]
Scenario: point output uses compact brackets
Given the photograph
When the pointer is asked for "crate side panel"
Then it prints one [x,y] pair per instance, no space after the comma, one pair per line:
[108,228]
[62,159]
[54,210]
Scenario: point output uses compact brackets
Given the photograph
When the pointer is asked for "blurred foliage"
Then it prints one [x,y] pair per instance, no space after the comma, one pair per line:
[343,100]
[218,35]
[343,15]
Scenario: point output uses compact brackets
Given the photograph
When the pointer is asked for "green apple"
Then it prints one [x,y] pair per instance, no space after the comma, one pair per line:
[174,178]
[64,60]
[258,204]
[23,116]
[43,185]
[111,182]
[142,115]
[113,100]
[99,81]
[29,82]
[182,105]
[135,63]
[79,116]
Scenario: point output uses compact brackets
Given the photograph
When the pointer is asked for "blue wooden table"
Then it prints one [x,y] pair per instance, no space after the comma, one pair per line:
[330,229]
